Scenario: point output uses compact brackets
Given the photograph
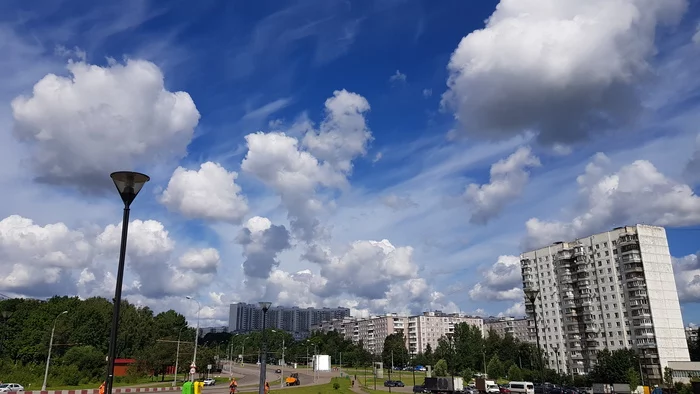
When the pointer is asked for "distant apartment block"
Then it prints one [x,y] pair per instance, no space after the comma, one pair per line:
[691,333]
[420,330]
[211,330]
[612,290]
[428,328]
[371,331]
[248,317]
[518,328]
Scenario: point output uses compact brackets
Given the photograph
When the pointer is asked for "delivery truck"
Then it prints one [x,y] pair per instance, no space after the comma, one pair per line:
[444,385]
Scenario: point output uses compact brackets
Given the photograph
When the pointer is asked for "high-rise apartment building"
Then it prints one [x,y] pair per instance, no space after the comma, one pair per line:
[612,290]
[248,317]
[517,328]
[419,330]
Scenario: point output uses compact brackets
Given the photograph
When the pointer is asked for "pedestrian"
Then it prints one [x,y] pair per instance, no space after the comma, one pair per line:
[267,387]
[353,383]
[102,388]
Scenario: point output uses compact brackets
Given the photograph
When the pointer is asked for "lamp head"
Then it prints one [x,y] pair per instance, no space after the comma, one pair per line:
[129,184]
[532,294]
[265,305]
[64,312]
[188,297]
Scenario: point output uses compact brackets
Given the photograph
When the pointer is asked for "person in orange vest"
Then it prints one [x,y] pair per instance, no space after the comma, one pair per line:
[267,387]
[102,388]
[232,386]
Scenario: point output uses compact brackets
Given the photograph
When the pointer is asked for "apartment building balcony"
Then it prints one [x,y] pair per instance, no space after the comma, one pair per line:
[634,276]
[569,303]
[636,304]
[591,344]
[574,337]
[634,267]
[638,294]
[571,312]
[591,328]
[565,279]
[647,345]
[631,256]
[637,284]
[641,312]
[642,323]
[576,356]
[644,334]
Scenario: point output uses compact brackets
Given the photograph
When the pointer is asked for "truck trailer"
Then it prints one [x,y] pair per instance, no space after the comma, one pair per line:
[444,385]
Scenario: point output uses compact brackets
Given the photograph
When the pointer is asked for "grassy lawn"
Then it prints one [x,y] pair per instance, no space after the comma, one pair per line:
[321,389]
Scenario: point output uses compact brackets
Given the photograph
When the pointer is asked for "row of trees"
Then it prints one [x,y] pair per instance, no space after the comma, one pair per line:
[81,340]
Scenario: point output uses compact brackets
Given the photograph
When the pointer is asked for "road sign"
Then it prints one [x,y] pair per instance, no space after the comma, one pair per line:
[209,367]
[193,371]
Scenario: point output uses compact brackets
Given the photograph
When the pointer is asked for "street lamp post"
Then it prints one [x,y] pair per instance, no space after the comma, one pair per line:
[177,355]
[265,306]
[48,358]
[243,352]
[282,364]
[196,335]
[532,295]
[128,185]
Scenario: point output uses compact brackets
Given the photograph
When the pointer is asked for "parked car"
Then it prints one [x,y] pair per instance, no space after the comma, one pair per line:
[420,389]
[393,383]
[209,382]
[10,387]
[503,389]
[278,370]
[521,387]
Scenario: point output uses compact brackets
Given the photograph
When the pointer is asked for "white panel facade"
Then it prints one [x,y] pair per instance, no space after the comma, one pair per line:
[611,290]
[663,296]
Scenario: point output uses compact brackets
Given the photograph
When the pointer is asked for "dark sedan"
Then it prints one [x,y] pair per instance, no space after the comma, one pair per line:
[393,383]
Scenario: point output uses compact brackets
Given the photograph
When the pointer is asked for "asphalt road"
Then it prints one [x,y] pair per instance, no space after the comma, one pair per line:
[248,377]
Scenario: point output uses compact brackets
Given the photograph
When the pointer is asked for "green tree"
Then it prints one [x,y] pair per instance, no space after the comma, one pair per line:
[429,356]
[395,350]
[612,367]
[633,379]
[514,373]
[494,369]
[440,368]
[668,377]
[467,374]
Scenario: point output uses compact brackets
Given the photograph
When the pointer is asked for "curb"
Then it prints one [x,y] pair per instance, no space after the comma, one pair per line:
[97,391]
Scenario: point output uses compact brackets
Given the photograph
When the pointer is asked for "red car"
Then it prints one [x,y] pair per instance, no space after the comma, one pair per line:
[504,390]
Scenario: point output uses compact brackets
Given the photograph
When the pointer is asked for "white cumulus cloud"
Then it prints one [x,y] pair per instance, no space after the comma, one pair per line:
[636,193]
[102,119]
[501,282]
[508,179]
[566,68]
[210,194]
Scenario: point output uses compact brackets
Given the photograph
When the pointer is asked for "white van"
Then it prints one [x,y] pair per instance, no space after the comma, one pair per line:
[521,387]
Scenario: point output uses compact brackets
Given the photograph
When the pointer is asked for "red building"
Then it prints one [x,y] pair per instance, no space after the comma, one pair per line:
[121,366]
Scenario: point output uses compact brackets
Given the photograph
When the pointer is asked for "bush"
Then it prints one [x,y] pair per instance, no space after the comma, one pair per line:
[336,385]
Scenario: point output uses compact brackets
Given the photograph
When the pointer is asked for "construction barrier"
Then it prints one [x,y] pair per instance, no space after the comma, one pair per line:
[96,391]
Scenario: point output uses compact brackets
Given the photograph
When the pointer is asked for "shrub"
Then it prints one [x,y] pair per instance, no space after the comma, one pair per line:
[336,385]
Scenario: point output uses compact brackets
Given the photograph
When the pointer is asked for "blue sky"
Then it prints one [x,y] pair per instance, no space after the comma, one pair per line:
[397,120]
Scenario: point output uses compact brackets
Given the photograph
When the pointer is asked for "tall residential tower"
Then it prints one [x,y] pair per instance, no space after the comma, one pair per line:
[612,290]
